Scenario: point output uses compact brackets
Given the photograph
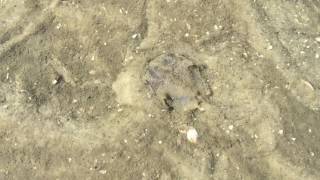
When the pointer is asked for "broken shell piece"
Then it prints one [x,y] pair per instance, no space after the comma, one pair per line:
[308,84]
[192,135]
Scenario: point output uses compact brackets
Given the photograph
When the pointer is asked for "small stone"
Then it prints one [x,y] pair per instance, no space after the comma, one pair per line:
[293,139]
[317,39]
[59,26]
[192,135]
[188,26]
[54,82]
[92,72]
[160,142]
[280,132]
[230,127]
[103,171]
[135,36]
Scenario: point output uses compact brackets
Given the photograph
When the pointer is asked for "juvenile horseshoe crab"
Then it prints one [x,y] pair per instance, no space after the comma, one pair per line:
[178,81]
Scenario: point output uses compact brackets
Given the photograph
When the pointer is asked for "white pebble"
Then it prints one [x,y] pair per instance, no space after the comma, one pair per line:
[135,36]
[92,72]
[103,171]
[59,26]
[192,135]
[54,82]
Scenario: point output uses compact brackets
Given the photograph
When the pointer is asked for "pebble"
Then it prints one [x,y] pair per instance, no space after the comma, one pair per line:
[54,82]
[135,36]
[59,26]
[103,171]
[92,72]
[192,135]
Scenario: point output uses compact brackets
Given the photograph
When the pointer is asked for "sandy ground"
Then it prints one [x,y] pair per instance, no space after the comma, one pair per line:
[109,89]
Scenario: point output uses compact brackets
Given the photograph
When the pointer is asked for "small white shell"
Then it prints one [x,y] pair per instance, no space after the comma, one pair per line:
[192,135]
